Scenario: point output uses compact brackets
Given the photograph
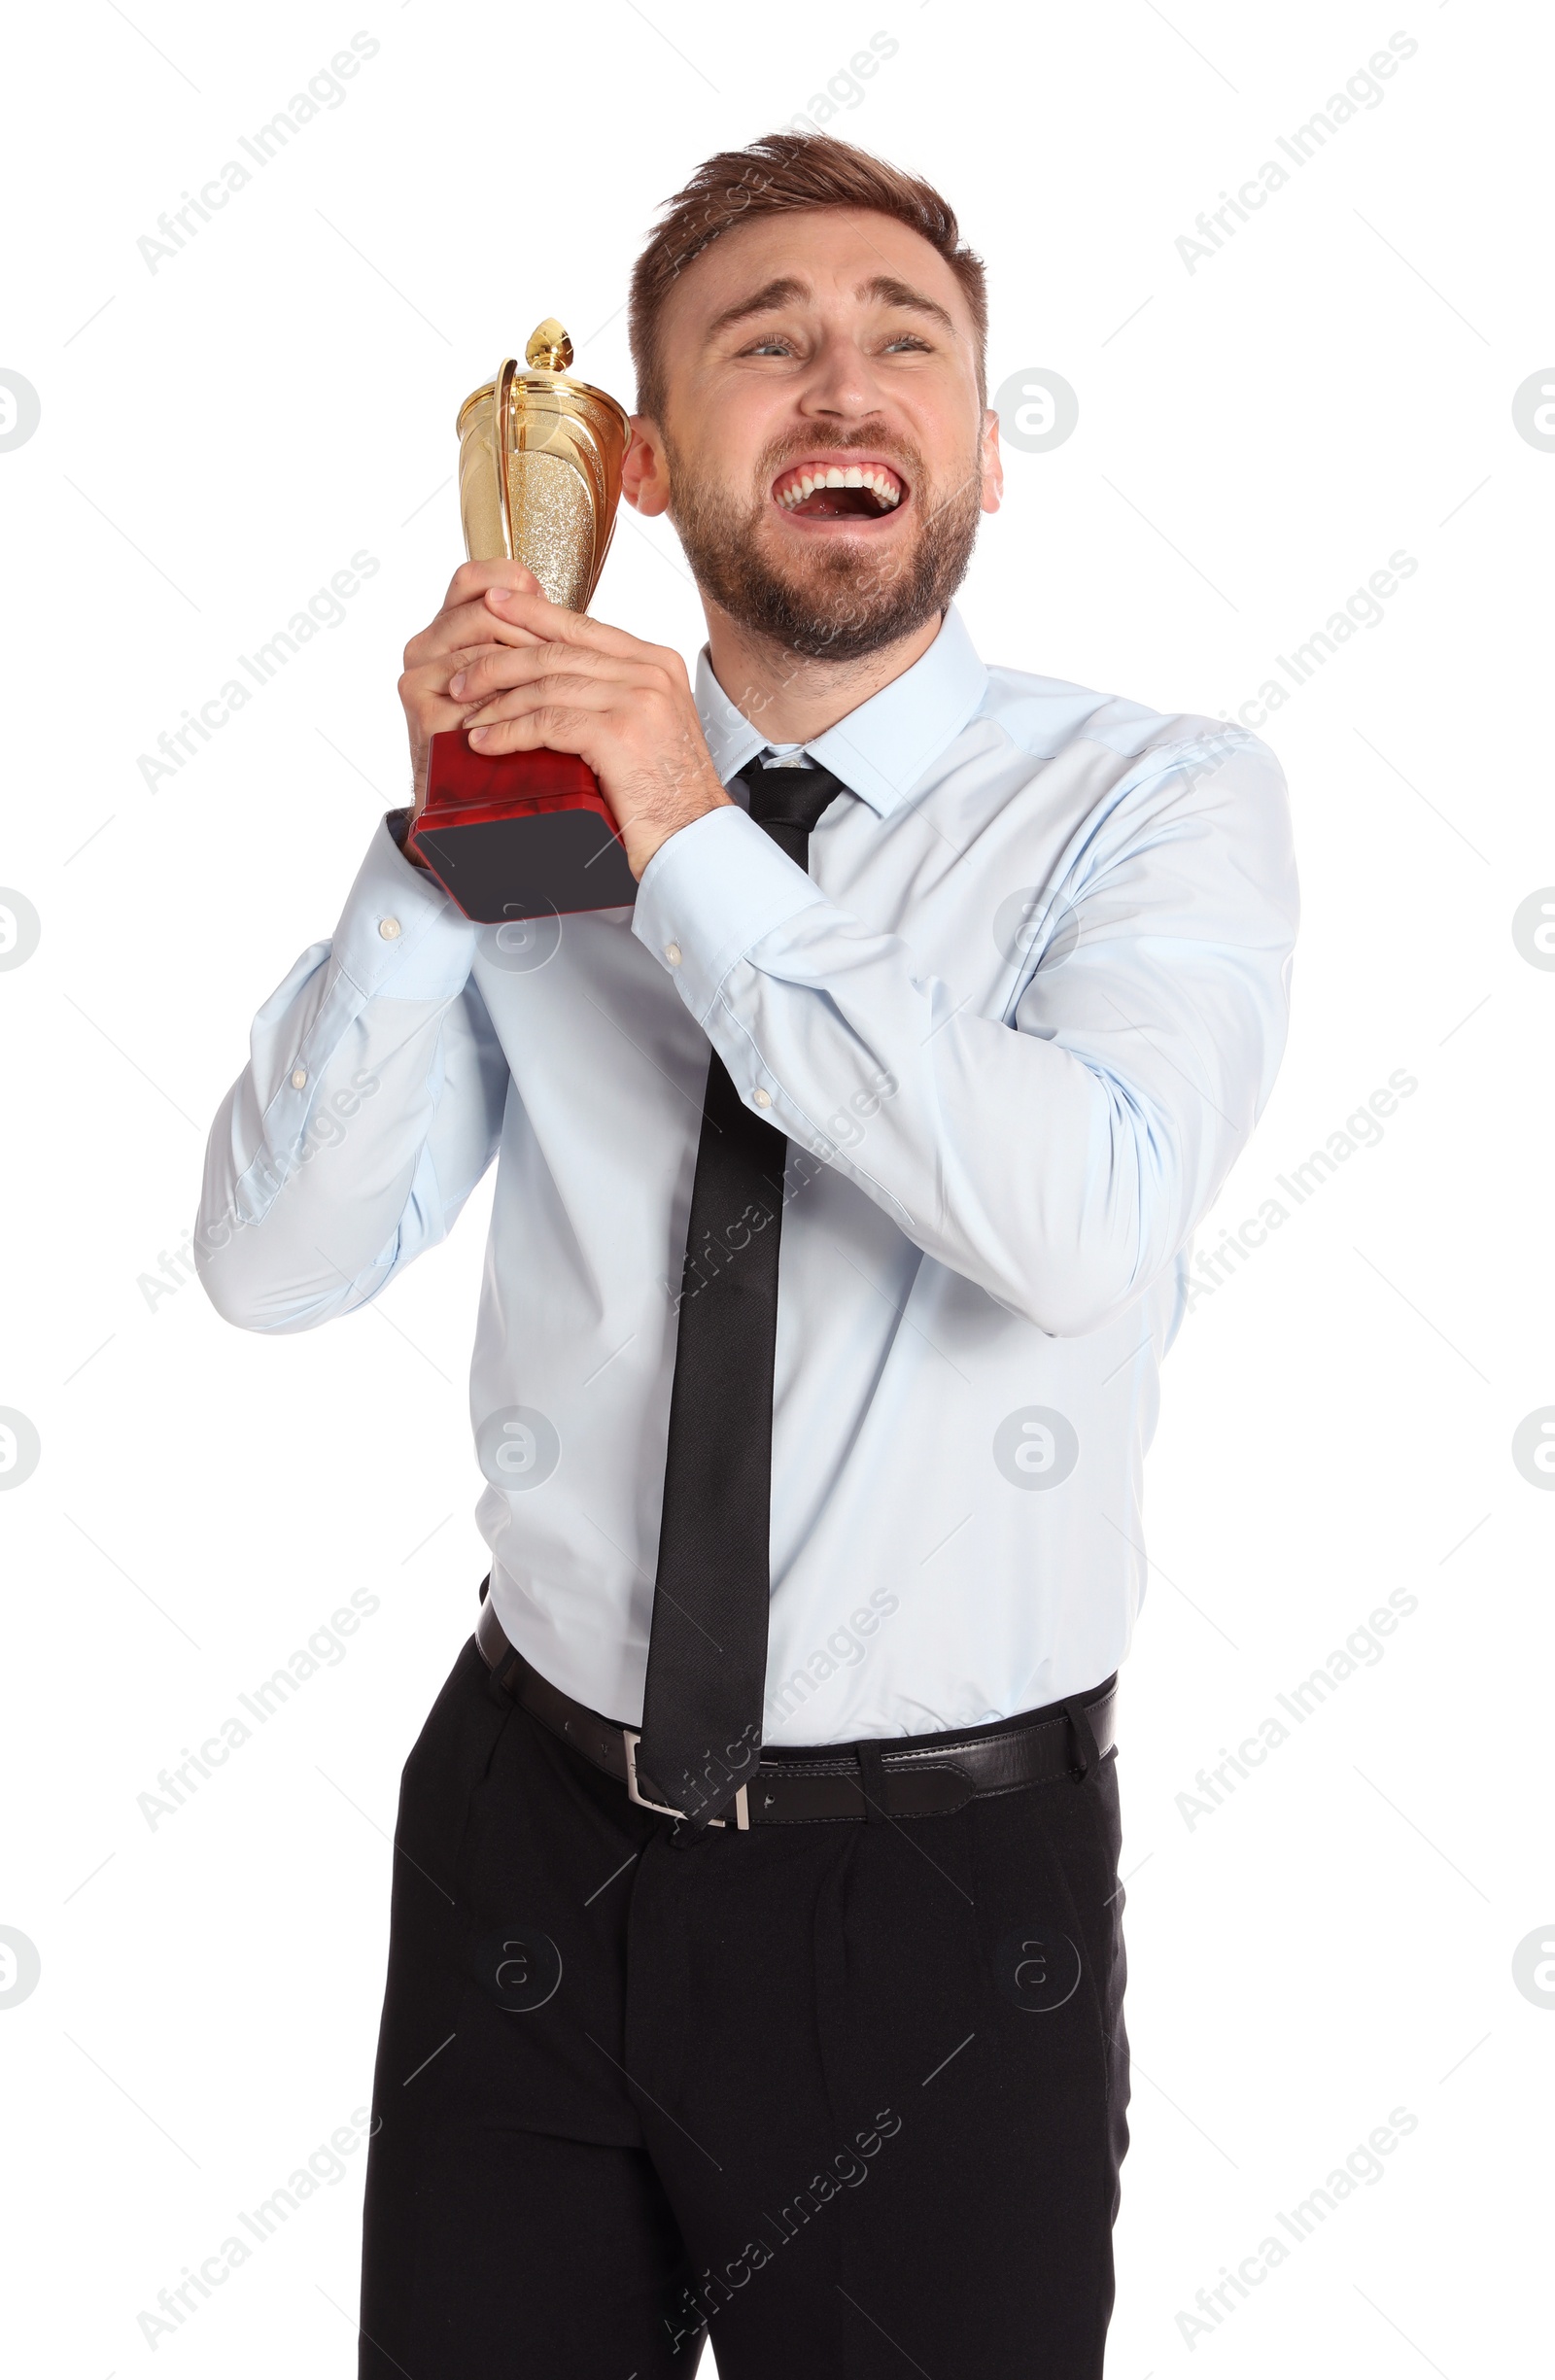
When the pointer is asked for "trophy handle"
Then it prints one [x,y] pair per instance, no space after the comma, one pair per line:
[503,425]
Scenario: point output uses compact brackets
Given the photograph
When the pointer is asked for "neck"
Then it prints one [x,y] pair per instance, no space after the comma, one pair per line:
[795,697]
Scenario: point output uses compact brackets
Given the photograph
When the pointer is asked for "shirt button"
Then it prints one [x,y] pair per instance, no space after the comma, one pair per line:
[300,1078]
[389,928]
[671,952]
[763,1098]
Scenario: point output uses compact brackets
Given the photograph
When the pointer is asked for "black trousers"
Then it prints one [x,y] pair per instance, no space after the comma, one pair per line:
[852,2094]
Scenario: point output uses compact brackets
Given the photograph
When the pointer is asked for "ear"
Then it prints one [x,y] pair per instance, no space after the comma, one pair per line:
[992,463]
[645,471]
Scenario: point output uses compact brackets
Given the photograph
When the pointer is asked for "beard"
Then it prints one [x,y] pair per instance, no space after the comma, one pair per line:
[838,602]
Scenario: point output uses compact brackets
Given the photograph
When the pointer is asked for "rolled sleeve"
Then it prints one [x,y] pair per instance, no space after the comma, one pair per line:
[710,894]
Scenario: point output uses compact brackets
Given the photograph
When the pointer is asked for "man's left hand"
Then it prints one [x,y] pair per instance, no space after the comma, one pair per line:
[623,707]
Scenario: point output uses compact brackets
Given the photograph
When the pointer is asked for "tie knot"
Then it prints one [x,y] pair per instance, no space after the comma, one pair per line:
[787,796]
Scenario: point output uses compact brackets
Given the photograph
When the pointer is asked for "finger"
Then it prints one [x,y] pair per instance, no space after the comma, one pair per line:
[432,679]
[427,701]
[492,667]
[465,625]
[558,687]
[553,727]
[554,622]
[471,579]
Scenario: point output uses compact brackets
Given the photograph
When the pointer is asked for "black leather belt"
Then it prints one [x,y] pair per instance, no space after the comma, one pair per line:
[910,1779]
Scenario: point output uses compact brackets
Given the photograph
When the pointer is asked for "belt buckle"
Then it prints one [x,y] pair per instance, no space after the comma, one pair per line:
[632,1736]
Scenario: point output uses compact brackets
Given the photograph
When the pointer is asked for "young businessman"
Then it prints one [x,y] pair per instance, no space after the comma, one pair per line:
[755,1957]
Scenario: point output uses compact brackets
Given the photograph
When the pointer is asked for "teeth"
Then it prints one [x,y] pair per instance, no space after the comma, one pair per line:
[882,485]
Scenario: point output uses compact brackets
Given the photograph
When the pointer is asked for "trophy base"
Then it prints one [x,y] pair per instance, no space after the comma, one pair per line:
[515,835]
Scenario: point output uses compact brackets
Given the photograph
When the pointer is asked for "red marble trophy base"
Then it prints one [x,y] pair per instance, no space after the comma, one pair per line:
[518,835]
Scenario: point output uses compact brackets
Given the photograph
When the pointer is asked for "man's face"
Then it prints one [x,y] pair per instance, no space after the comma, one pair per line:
[823,454]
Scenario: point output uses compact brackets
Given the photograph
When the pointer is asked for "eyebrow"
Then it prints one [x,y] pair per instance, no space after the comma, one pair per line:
[783,291]
[888,291]
[787,289]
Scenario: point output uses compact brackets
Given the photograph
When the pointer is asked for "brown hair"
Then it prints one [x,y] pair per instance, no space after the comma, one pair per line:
[784,174]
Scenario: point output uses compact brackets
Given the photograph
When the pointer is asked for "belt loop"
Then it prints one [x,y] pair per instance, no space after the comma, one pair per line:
[1087,1755]
[507,1678]
[871,1776]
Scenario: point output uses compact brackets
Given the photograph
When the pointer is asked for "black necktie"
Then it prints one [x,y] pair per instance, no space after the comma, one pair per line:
[707,1647]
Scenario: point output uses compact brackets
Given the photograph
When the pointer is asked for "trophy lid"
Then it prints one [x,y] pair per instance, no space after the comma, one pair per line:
[547,357]
[549,348]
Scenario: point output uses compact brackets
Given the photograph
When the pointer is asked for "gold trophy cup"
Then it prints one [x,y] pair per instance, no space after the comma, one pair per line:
[530,834]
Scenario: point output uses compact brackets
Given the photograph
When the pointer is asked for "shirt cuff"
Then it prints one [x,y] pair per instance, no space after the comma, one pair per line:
[709,894]
[401,935]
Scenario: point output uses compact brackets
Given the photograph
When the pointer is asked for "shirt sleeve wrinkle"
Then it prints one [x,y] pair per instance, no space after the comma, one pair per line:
[374,1075]
[1059,1153]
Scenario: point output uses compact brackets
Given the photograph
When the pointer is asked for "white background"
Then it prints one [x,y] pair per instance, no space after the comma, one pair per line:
[1256,437]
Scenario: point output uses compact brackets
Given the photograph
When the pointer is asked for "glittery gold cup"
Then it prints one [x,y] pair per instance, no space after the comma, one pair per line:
[540,469]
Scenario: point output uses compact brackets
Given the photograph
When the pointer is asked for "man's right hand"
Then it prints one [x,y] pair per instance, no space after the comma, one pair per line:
[465,624]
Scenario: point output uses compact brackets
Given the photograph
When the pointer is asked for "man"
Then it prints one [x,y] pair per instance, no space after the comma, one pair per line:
[756,1955]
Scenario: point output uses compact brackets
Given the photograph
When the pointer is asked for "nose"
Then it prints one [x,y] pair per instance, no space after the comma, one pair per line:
[841,384]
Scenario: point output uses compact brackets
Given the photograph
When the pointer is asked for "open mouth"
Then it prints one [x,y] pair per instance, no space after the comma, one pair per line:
[837,491]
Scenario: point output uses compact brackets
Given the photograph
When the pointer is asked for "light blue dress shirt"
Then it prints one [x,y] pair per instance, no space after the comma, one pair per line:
[1017,1021]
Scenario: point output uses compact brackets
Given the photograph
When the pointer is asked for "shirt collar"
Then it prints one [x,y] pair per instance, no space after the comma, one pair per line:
[882,748]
